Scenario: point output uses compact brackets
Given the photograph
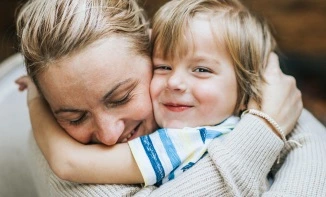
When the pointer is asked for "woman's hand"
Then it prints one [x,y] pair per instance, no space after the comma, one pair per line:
[25,82]
[281,97]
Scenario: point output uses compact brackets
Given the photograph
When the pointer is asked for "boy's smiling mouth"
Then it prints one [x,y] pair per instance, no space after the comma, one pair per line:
[176,107]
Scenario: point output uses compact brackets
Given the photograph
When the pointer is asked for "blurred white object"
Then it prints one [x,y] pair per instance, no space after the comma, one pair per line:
[15,129]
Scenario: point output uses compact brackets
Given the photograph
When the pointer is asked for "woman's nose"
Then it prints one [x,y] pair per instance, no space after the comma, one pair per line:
[176,82]
[109,130]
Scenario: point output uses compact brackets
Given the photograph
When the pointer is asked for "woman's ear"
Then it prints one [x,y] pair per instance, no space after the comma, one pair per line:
[149,33]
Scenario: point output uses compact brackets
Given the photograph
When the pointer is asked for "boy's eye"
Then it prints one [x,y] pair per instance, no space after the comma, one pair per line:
[162,67]
[79,120]
[202,70]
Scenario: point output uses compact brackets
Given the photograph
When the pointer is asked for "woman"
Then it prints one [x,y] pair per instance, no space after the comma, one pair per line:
[92,66]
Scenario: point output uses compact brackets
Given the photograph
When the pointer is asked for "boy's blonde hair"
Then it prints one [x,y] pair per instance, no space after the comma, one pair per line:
[49,30]
[247,38]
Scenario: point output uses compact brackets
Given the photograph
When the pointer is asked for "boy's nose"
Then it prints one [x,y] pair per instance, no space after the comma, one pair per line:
[176,82]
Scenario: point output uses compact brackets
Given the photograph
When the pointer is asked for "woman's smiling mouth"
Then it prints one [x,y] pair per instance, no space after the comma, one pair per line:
[131,135]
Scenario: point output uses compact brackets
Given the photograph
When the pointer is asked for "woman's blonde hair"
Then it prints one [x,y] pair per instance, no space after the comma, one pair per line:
[247,38]
[49,30]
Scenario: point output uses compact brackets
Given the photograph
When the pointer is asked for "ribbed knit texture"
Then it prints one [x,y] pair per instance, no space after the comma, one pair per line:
[236,165]
[302,171]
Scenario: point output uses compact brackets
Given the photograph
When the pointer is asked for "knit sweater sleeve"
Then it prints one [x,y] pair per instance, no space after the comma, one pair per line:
[302,170]
[237,164]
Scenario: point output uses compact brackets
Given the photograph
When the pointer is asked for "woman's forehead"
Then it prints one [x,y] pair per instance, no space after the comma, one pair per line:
[95,69]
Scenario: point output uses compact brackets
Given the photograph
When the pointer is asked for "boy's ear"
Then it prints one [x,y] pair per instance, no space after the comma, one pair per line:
[149,33]
[243,107]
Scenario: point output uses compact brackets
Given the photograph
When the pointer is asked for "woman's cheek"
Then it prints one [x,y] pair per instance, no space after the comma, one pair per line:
[80,133]
[156,87]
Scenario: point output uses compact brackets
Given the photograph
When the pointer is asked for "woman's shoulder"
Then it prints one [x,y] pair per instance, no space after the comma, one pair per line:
[308,127]
[308,121]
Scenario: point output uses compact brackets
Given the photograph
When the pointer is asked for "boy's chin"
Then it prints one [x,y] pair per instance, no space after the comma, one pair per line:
[176,124]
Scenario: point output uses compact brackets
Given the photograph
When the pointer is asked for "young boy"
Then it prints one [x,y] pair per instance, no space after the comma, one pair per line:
[208,59]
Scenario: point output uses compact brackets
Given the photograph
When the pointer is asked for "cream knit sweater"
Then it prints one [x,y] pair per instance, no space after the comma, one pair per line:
[236,165]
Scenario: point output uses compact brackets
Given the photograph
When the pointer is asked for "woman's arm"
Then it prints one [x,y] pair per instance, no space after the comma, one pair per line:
[71,160]
[254,149]
[302,170]
[281,98]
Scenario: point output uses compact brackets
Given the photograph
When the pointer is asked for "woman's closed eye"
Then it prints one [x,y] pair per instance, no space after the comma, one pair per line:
[121,96]
[79,120]
[121,101]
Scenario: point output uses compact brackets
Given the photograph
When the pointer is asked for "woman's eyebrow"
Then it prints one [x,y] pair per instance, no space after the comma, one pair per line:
[63,110]
[114,88]
[105,97]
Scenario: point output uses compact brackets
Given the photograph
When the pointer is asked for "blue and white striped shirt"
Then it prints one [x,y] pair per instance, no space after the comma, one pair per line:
[166,153]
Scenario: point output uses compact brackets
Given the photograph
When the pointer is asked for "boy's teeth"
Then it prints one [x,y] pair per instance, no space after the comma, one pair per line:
[124,140]
[129,136]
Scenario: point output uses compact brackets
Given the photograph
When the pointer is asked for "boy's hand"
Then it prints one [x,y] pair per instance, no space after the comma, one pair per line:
[25,82]
[281,97]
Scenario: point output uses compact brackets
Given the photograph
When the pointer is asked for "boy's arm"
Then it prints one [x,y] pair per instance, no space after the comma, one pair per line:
[48,184]
[73,161]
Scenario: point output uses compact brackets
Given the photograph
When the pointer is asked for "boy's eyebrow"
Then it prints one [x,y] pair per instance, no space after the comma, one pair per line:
[199,58]
[114,88]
